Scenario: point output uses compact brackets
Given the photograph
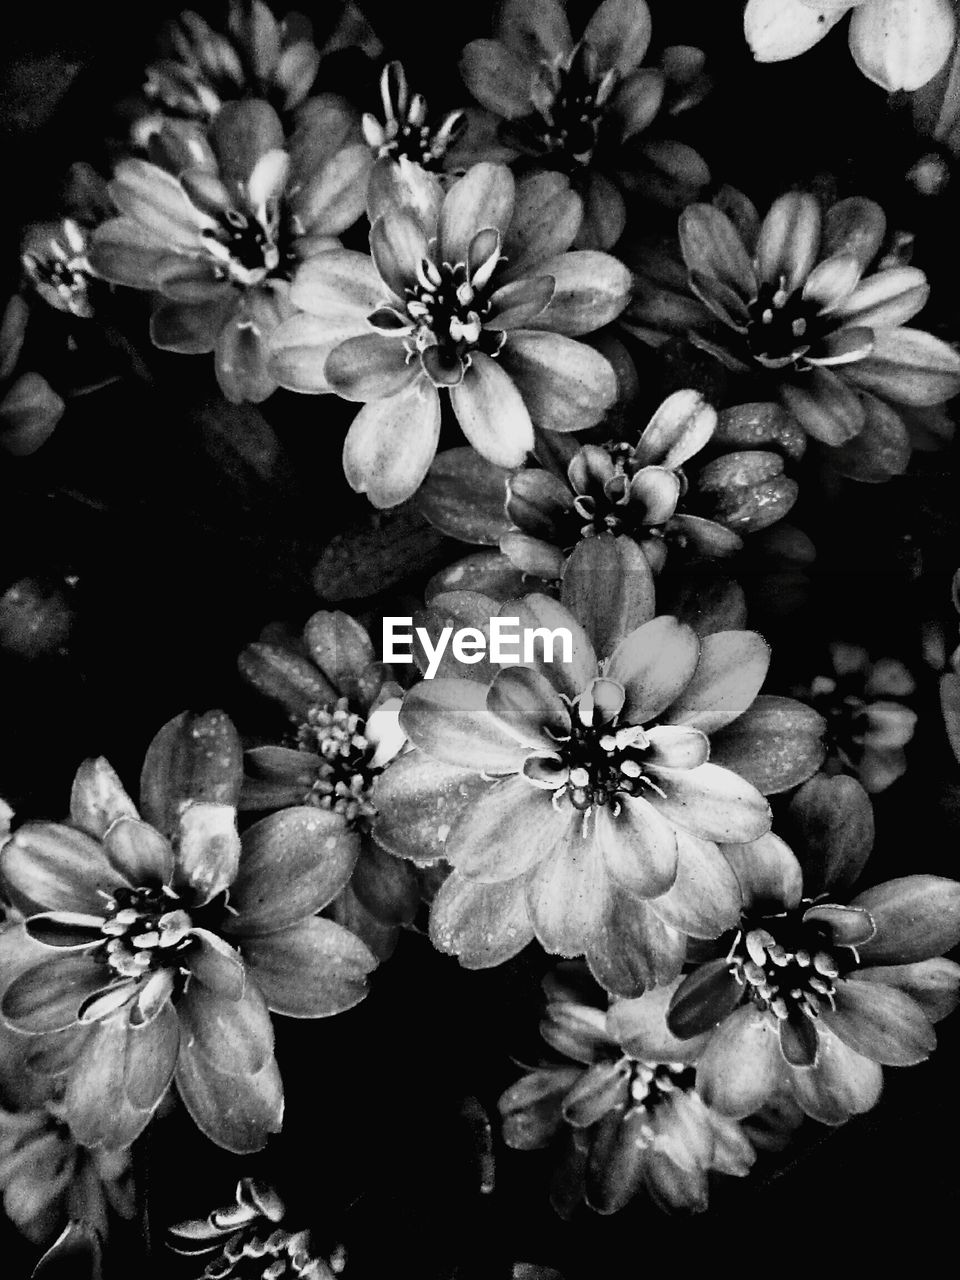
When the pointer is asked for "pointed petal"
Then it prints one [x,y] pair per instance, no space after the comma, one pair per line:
[97,798]
[711,245]
[886,298]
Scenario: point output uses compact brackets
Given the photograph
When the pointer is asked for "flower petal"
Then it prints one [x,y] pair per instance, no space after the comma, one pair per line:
[881,1023]
[449,720]
[830,820]
[482,924]
[192,758]
[565,385]
[546,215]
[97,798]
[908,366]
[781,29]
[370,367]
[48,996]
[703,999]
[53,867]
[566,894]
[711,245]
[492,413]
[901,45]
[609,587]
[539,617]
[639,847]
[497,77]
[238,1113]
[235,1036]
[391,443]
[776,744]
[740,1067]
[529,707]
[886,298]
[917,917]
[842,1084]
[590,290]
[140,853]
[620,32]
[418,799]
[630,948]
[677,747]
[730,672]
[789,240]
[293,864]
[654,664]
[398,245]
[934,983]
[678,430]
[100,1113]
[704,899]
[312,969]
[824,405]
[768,872]
[510,829]
[482,198]
[710,802]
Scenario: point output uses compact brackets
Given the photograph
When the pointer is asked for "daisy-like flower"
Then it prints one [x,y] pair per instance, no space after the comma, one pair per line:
[581,801]
[817,990]
[469,294]
[258,55]
[792,302]
[896,45]
[589,108]
[868,720]
[170,941]
[29,407]
[218,227]
[406,129]
[245,1239]
[54,257]
[622,1109]
[344,707]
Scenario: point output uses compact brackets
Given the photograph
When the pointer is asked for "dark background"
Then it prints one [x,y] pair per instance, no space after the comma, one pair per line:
[167,553]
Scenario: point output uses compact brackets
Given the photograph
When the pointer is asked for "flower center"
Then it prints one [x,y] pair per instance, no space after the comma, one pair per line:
[789,965]
[146,929]
[783,326]
[603,762]
[344,778]
[245,250]
[569,101]
[448,307]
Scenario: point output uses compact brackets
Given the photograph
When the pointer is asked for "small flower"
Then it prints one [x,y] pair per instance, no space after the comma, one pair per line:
[470,293]
[622,1110]
[54,257]
[245,1240]
[790,301]
[817,990]
[170,941]
[868,721]
[896,45]
[586,107]
[406,129]
[581,801]
[218,228]
[29,407]
[344,705]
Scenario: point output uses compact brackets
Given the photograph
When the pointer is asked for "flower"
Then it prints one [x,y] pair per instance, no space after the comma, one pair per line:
[258,56]
[896,45]
[868,722]
[470,293]
[218,228]
[344,706]
[405,129]
[581,801]
[790,302]
[29,407]
[586,107]
[622,1109]
[54,256]
[817,990]
[171,939]
[245,1238]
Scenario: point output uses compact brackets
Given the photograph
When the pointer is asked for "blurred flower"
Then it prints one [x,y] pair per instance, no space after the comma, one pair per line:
[470,292]
[896,45]
[868,721]
[37,618]
[45,1176]
[406,129]
[344,705]
[29,407]
[169,942]
[587,108]
[201,69]
[626,1119]
[816,989]
[936,109]
[246,1240]
[790,301]
[574,798]
[218,226]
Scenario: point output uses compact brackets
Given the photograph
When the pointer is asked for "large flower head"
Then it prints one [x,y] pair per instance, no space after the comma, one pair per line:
[170,941]
[621,1109]
[468,294]
[407,129]
[817,989]
[217,227]
[588,107]
[791,301]
[896,45]
[343,706]
[581,801]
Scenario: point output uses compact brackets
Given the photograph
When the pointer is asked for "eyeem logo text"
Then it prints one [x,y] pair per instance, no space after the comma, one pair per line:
[507,643]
